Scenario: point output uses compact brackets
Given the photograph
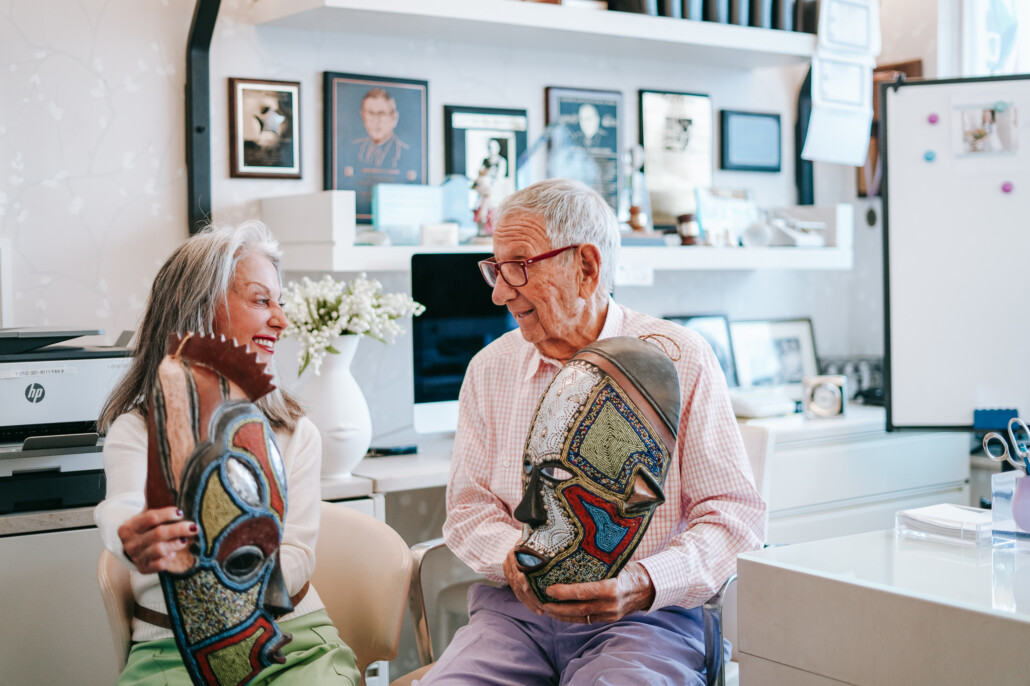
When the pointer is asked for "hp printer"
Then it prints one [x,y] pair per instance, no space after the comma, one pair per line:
[50,397]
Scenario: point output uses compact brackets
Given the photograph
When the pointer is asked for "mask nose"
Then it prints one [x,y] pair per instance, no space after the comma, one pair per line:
[531,510]
[277,598]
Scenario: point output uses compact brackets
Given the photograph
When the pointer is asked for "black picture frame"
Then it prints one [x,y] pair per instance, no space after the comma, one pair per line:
[471,133]
[353,158]
[774,352]
[714,328]
[264,129]
[677,132]
[586,138]
[750,141]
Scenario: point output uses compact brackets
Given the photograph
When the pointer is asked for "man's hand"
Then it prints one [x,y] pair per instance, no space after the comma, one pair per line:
[602,601]
[153,538]
[520,585]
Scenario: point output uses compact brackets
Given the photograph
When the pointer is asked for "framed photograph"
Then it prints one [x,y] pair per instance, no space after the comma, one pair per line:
[264,129]
[676,134]
[750,141]
[374,132]
[714,328]
[986,129]
[774,352]
[484,140]
[586,140]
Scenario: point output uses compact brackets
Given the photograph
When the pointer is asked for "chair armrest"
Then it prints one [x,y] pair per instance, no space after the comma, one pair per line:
[417,601]
[712,617]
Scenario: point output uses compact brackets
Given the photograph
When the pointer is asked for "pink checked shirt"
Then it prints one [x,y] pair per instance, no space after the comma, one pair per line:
[712,510]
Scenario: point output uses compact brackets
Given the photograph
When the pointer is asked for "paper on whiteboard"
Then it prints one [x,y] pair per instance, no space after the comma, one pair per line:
[850,26]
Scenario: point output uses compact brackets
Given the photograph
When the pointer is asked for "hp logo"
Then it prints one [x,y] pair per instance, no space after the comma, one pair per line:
[34,393]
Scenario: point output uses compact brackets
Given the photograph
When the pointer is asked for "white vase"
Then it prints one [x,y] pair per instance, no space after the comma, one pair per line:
[336,405]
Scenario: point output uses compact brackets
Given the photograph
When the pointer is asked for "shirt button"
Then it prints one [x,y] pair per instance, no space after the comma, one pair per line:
[505,462]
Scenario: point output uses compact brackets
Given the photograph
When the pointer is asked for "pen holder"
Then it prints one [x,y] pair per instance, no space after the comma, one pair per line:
[1010,507]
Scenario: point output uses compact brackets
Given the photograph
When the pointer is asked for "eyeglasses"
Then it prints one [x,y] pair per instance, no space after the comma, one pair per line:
[515,272]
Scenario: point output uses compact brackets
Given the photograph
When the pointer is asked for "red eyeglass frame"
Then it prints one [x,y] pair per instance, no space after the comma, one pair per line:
[491,264]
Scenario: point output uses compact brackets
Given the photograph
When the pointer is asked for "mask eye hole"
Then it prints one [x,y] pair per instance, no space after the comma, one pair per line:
[553,472]
[244,562]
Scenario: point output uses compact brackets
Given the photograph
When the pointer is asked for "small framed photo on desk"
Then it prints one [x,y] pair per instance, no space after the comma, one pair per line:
[773,352]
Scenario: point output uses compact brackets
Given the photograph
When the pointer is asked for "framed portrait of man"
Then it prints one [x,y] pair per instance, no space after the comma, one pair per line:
[375,132]
[585,138]
[264,129]
[676,133]
[486,141]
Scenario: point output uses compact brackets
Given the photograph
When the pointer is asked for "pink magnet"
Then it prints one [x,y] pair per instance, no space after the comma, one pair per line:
[1007,187]
[933,118]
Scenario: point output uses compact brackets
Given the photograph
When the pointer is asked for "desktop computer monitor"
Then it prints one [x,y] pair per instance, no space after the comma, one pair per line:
[459,321]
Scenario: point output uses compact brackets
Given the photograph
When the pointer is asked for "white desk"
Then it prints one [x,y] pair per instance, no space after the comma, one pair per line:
[846,475]
[871,610]
[429,468]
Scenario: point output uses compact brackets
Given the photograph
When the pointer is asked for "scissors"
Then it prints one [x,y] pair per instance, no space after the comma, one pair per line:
[1019,437]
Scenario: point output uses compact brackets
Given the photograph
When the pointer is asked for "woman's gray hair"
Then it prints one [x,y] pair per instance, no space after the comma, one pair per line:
[185,297]
[573,213]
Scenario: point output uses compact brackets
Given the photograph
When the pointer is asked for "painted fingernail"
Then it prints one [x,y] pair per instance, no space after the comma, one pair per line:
[193,528]
[178,513]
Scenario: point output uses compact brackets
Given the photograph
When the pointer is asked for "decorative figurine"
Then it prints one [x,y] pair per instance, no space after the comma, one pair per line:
[487,206]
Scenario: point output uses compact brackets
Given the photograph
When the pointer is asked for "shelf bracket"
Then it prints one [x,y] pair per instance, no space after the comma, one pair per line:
[198,114]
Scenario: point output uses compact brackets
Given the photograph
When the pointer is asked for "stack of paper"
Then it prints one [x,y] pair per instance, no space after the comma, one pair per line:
[946,522]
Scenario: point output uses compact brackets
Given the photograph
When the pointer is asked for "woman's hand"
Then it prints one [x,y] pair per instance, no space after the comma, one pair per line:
[152,539]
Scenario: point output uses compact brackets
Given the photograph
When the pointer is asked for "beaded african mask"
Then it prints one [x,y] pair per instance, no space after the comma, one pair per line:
[595,460]
[212,453]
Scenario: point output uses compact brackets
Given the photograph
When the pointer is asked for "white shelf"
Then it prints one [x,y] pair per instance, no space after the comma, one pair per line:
[534,26]
[322,236]
[361,258]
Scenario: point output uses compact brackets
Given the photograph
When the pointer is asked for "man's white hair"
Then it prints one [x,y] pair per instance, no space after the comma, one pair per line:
[573,213]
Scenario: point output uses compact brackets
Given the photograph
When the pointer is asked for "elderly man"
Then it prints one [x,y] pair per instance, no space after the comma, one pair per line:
[555,246]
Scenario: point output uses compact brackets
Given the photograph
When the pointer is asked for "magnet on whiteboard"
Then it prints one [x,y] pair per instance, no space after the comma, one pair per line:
[933,118]
[929,155]
[1007,187]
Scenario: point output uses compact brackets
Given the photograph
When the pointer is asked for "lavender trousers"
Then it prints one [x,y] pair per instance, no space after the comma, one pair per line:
[505,644]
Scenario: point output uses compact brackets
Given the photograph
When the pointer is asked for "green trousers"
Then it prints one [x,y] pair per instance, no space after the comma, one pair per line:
[316,655]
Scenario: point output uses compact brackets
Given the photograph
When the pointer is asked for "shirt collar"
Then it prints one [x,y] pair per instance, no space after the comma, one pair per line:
[612,326]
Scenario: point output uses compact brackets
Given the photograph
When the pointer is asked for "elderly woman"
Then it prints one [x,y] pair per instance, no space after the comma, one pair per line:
[224,281]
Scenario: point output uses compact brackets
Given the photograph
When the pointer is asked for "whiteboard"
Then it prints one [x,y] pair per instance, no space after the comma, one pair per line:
[956,249]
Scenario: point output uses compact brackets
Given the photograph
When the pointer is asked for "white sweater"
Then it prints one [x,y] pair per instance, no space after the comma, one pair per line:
[125,464]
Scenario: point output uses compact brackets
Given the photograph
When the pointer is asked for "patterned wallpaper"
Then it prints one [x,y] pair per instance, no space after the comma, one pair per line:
[92,188]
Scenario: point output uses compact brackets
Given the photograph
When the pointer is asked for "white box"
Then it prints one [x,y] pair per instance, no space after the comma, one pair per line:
[316,230]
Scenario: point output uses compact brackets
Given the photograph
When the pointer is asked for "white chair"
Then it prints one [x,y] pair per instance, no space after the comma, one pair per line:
[720,611]
[362,573]
[113,577]
[722,608]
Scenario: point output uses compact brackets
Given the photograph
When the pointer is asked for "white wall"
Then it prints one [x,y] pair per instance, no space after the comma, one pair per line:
[92,189]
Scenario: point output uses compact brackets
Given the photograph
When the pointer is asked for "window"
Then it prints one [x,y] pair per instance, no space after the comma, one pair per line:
[995,37]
